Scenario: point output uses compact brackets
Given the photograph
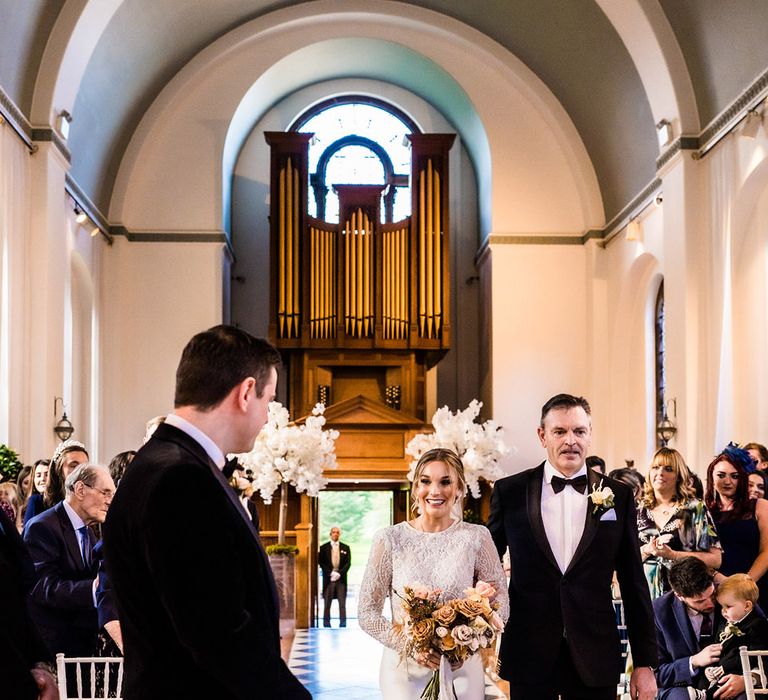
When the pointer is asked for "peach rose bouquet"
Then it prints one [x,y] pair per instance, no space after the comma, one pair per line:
[456,629]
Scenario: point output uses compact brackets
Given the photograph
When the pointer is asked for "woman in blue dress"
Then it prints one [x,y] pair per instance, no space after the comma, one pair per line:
[742,522]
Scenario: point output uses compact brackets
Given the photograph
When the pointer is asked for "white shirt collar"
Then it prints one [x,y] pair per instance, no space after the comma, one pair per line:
[74,518]
[210,447]
[550,471]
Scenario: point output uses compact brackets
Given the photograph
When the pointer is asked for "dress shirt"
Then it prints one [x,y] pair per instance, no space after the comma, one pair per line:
[563,514]
[697,620]
[82,538]
[335,555]
[210,447]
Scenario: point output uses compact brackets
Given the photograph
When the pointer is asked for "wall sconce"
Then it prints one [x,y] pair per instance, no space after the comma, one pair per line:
[63,428]
[666,429]
[633,230]
[664,132]
[752,123]
[62,123]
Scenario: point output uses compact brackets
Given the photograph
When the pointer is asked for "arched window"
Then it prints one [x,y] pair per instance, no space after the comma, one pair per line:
[358,141]
[660,358]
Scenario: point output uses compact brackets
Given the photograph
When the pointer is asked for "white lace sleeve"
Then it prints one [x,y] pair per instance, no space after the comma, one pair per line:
[375,589]
[488,568]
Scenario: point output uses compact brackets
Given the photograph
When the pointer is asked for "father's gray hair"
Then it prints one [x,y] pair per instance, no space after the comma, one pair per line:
[87,473]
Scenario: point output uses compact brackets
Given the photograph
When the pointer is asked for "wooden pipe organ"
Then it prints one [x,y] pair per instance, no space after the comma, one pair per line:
[360,285]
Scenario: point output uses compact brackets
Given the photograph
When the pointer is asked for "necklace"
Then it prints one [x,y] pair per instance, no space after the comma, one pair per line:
[665,510]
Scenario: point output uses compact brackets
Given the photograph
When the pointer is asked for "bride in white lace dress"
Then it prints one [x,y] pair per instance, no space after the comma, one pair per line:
[434,550]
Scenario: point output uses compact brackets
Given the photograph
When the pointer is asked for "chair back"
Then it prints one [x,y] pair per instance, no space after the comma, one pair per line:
[753,668]
[89,677]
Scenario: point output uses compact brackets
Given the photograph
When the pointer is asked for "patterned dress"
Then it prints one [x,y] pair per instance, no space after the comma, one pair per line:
[692,530]
[451,560]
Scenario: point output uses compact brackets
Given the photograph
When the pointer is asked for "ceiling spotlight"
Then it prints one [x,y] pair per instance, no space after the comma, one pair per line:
[80,216]
[96,231]
[752,123]
[658,200]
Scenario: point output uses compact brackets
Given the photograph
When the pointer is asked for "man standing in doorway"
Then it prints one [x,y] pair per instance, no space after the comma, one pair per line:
[334,560]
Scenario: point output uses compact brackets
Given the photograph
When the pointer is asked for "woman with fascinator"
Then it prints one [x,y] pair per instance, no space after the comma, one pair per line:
[67,456]
[433,550]
[741,522]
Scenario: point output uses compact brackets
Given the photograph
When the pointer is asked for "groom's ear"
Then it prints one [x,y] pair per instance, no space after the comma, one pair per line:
[540,432]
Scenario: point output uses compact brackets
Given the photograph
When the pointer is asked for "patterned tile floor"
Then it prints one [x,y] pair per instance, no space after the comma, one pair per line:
[343,664]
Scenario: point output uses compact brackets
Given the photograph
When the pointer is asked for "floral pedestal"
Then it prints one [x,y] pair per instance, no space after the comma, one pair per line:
[284,571]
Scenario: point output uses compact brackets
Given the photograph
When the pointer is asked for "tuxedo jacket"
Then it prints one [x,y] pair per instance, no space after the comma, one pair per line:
[195,594]
[61,601]
[547,604]
[676,642]
[20,644]
[326,565]
[755,636]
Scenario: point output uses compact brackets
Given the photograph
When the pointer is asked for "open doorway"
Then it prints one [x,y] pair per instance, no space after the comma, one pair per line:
[359,514]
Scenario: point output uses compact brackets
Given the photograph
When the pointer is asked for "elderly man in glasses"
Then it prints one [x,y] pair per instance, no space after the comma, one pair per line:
[60,542]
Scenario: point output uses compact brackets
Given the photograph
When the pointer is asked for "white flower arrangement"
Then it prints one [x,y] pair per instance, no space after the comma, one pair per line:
[480,446]
[292,454]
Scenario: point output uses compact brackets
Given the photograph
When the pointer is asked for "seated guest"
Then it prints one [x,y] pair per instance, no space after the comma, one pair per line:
[33,504]
[60,542]
[759,454]
[757,485]
[596,463]
[9,500]
[25,662]
[671,522]
[684,634]
[118,465]
[68,455]
[24,484]
[632,478]
[741,625]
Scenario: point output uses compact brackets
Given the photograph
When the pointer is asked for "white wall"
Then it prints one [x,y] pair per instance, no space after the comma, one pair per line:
[156,296]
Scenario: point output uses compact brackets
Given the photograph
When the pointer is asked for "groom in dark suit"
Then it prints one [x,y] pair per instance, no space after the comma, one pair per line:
[568,528]
[195,593]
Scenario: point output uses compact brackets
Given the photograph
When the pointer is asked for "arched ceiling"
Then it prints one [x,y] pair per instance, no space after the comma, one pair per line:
[569,44]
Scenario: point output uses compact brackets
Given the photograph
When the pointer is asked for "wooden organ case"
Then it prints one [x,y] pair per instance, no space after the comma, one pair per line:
[360,308]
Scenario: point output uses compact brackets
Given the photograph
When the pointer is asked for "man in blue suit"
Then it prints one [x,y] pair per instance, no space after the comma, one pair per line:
[685,619]
[60,542]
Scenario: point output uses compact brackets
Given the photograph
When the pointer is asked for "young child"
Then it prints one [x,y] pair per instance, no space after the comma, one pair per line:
[741,626]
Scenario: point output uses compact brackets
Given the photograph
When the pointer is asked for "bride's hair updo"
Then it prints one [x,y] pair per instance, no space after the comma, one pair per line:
[452,461]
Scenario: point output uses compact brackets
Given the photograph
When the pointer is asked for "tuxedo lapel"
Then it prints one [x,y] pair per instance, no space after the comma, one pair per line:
[591,521]
[533,502]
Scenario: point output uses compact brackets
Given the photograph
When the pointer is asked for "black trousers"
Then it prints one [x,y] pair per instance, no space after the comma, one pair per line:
[338,590]
[565,684]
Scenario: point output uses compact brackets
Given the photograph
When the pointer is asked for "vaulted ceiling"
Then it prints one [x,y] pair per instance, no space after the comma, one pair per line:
[575,47]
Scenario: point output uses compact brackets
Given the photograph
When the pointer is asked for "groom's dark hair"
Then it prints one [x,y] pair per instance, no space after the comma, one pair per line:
[217,360]
[564,401]
[690,577]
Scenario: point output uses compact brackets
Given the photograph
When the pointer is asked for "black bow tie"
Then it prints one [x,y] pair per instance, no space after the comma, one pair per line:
[579,483]
[229,467]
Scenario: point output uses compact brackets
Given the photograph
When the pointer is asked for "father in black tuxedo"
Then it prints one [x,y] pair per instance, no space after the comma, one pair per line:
[568,528]
[334,559]
[195,593]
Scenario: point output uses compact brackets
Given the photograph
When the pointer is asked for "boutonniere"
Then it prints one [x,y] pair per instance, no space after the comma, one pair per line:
[602,499]
[731,630]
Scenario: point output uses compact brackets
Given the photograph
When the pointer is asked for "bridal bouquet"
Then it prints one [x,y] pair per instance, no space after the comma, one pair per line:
[455,629]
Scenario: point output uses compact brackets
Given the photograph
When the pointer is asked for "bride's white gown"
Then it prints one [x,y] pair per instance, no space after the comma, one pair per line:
[452,560]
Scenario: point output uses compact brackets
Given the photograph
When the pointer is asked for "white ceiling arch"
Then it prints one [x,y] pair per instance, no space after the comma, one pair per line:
[537,152]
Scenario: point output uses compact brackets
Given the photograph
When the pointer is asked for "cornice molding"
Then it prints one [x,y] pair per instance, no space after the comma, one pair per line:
[727,120]
[46,134]
[10,112]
